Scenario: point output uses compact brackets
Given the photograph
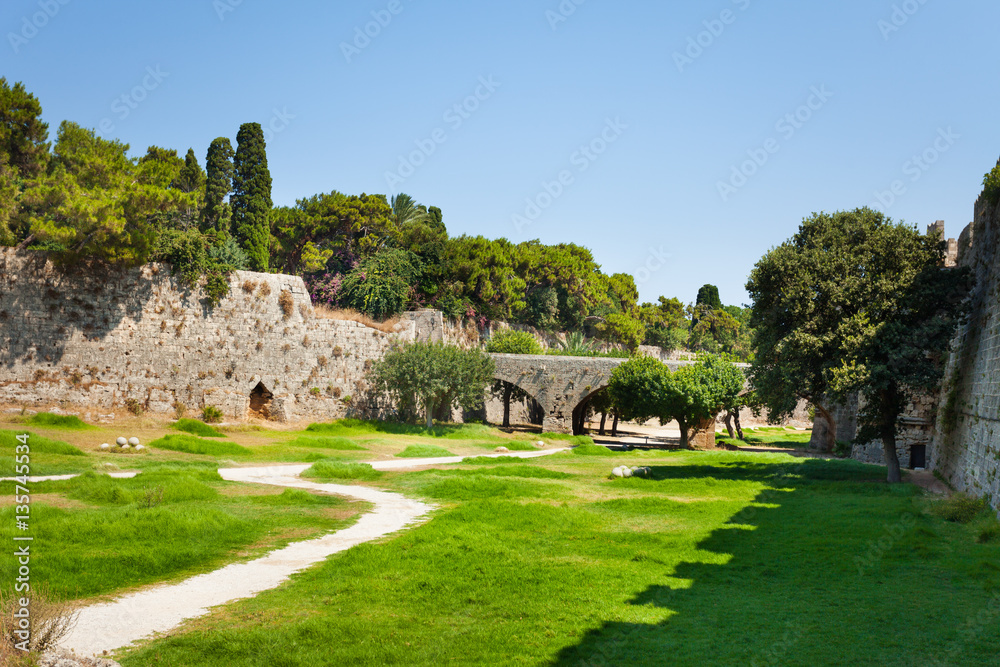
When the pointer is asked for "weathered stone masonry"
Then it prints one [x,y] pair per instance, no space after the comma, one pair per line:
[966,444]
[100,340]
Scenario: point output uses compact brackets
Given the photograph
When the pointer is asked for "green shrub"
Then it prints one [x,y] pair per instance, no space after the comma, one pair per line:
[338,470]
[134,406]
[508,341]
[991,186]
[49,420]
[191,445]
[197,428]
[211,414]
[960,508]
[842,449]
[990,533]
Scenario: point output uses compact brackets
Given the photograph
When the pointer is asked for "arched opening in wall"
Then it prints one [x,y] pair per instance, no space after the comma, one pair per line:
[512,404]
[595,403]
[260,401]
[597,406]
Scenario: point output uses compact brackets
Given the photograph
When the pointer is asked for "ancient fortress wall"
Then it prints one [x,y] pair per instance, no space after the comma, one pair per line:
[101,340]
[966,444]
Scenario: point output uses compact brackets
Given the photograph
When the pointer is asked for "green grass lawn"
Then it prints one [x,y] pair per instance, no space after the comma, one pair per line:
[717,559]
[96,535]
[61,446]
[777,437]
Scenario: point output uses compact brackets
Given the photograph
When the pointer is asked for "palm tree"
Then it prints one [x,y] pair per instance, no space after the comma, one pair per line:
[406,209]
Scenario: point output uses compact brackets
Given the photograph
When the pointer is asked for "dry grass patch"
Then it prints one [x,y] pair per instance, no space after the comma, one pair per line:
[325,313]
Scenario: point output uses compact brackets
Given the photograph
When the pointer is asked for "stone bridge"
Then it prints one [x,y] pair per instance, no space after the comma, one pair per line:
[561,385]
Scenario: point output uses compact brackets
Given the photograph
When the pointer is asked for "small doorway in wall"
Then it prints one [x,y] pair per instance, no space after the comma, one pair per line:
[918,456]
[260,401]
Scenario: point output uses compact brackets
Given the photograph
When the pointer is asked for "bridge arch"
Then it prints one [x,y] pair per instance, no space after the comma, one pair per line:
[560,385]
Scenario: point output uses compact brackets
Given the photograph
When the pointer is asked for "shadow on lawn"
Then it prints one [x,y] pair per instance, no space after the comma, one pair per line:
[792,592]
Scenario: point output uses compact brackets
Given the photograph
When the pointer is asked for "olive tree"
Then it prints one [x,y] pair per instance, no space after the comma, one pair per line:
[644,387]
[431,376]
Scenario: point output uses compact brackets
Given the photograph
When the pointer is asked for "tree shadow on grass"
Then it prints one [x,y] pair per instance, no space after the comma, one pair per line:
[801,586]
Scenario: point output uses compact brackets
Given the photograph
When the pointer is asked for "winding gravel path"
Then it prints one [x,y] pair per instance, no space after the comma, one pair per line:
[113,625]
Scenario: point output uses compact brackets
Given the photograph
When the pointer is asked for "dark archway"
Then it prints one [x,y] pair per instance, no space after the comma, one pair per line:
[580,412]
[510,394]
[260,401]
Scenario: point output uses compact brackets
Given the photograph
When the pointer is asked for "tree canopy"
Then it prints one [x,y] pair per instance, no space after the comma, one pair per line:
[251,201]
[643,388]
[853,303]
[85,198]
[431,376]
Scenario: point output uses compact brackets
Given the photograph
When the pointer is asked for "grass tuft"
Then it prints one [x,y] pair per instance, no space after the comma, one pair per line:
[527,472]
[38,445]
[192,445]
[348,427]
[571,439]
[593,450]
[66,422]
[341,444]
[338,470]
[423,452]
[197,427]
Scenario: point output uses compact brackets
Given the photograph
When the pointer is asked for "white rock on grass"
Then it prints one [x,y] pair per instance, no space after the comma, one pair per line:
[105,446]
[502,450]
[121,442]
[540,443]
[125,446]
[133,441]
[139,448]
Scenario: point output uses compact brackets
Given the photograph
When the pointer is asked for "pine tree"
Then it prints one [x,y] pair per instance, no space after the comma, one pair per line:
[219,164]
[23,135]
[251,200]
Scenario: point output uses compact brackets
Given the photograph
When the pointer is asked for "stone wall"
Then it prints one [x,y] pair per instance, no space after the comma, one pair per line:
[100,340]
[916,430]
[966,441]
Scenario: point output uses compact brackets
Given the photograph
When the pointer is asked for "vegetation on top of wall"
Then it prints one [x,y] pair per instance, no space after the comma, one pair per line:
[991,185]
[85,199]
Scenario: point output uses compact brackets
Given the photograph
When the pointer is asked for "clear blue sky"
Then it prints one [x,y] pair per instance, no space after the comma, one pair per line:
[679,127]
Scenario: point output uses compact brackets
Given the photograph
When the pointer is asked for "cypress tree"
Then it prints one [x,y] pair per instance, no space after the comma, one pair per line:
[219,164]
[191,177]
[708,295]
[251,200]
